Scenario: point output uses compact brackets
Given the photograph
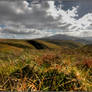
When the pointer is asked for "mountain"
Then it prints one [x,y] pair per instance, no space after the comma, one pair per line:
[87,38]
[68,38]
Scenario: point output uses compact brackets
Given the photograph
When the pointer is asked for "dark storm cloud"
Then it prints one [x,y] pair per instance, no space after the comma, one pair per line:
[8,13]
[15,14]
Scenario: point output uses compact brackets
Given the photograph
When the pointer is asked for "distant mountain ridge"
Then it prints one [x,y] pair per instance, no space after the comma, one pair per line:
[66,37]
[87,38]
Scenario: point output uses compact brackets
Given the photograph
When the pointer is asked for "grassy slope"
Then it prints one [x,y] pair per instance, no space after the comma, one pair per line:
[26,44]
[54,44]
[16,47]
[29,68]
[66,43]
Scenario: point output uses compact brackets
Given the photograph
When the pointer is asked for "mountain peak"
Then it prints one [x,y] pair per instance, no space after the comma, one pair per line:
[66,37]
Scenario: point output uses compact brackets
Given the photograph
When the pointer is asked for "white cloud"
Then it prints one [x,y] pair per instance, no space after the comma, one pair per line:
[77,26]
[32,22]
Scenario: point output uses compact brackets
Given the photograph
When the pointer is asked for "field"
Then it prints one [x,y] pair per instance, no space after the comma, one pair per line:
[40,65]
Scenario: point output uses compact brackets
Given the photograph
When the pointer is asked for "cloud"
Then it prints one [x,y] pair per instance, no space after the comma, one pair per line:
[39,20]
[69,18]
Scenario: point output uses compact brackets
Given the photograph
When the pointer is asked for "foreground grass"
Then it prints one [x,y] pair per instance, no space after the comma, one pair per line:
[46,70]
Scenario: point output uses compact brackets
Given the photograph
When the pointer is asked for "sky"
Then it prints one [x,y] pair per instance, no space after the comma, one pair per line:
[29,19]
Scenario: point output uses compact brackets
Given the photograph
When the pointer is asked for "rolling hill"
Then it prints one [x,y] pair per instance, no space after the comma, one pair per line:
[8,45]
[36,44]
[16,47]
[66,43]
